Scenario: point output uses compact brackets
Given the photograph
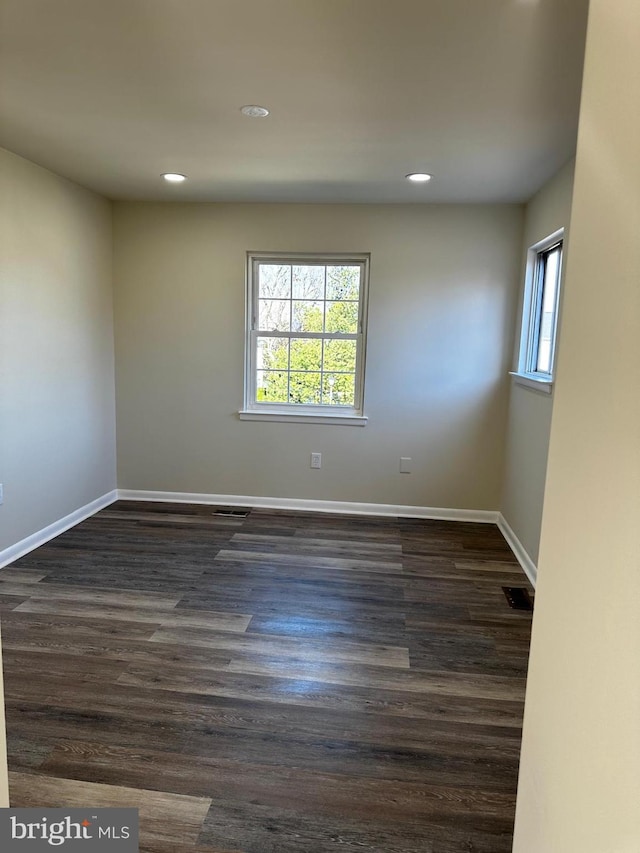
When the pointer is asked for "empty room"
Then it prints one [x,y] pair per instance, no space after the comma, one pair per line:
[319,424]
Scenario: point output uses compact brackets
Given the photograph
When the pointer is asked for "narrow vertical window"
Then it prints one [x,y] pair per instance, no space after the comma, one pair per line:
[540,310]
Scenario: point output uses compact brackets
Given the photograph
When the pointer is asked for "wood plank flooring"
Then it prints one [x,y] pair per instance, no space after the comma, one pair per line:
[281,683]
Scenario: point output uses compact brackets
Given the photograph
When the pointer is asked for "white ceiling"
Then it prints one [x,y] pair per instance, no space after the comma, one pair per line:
[110,93]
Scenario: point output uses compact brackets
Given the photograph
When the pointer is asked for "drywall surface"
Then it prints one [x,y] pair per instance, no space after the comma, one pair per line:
[442,295]
[579,785]
[529,421]
[57,419]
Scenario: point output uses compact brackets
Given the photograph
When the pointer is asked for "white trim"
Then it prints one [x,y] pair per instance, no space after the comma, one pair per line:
[300,418]
[530,380]
[528,566]
[14,552]
[343,507]
[548,242]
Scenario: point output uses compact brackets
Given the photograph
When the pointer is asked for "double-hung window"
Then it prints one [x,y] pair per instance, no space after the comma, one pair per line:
[540,311]
[305,346]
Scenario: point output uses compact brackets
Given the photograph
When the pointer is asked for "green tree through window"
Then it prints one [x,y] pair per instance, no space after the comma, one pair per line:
[307,337]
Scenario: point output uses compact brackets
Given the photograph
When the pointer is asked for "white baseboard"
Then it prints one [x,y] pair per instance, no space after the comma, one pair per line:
[342,507]
[529,567]
[14,552]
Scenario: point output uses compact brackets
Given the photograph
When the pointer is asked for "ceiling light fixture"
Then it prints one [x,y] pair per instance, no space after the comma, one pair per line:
[174,177]
[254,111]
[418,177]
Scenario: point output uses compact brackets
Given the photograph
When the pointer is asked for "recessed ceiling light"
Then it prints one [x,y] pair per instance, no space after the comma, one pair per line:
[418,177]
[174,177]
[254,111]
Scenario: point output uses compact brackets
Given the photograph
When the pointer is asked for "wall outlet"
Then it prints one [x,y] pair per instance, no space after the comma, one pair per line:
[316,460]
[405,464]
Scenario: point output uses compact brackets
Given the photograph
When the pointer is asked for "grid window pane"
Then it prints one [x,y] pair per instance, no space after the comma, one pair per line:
[273,354]
[341,317]
[343,282]
[274,281]
[274,315]
[304,388]
[308,316]
[272,386]
[308,282]
[306,354]
[340,356]
[338,389]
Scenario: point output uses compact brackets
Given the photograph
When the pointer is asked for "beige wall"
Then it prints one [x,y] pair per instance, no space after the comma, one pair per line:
[57,438]
[579,784]
[444,281]
[529,421]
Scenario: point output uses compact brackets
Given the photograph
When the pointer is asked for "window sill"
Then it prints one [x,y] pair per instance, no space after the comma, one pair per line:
[303,417]
[534,383]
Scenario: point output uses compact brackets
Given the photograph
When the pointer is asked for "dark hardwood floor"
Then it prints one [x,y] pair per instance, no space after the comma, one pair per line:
[281,683]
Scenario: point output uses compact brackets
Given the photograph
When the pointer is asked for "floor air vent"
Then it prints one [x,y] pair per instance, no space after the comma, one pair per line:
[232,513]
[518,598]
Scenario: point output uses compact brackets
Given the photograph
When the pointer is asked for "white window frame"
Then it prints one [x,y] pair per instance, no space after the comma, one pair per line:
[526,373]
[254,409]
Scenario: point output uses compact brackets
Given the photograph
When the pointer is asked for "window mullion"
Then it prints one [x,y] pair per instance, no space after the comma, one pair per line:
[332,336]
[255,295]
[289,370]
